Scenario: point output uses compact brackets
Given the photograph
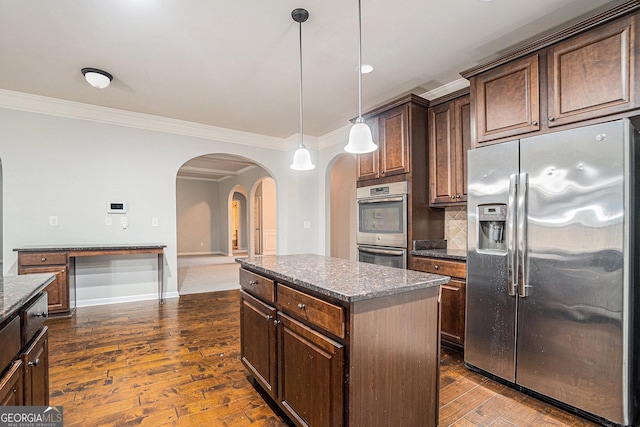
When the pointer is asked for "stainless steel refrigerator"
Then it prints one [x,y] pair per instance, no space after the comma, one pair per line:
[552,247]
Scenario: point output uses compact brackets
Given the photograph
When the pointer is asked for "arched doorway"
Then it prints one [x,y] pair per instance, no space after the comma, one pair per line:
[207,188]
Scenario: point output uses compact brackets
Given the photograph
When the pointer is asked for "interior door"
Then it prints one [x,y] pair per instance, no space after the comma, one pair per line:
[570,337]
[490,309]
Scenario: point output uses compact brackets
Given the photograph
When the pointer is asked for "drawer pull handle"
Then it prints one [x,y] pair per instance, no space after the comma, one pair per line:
[436,267]
[34,363]
[43,259]
[253,282]
[43,314]
[552,119]
[535,123]
[302,306]
[276,322]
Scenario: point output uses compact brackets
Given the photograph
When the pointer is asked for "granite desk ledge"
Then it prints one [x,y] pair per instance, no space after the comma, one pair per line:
[15,291]
[344,280]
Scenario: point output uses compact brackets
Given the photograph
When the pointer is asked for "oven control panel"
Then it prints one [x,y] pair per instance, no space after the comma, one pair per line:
[379,191]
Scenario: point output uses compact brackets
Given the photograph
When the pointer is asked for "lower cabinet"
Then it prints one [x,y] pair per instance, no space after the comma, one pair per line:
[329,363]
[453,303]
[25,372]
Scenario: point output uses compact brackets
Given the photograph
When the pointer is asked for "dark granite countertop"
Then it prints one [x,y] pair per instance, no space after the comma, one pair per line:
[452,254]
[81,247]
[15,291]
[344,280]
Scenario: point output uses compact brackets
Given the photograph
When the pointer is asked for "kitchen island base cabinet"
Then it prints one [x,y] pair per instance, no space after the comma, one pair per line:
[35,359]
[11,386]
[377,366]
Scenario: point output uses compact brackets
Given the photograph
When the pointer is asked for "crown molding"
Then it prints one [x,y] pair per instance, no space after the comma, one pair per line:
[310,142]
[76,110]
[446,89]
[338,136]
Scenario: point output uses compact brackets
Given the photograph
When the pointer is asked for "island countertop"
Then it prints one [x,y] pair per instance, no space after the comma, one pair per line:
[342,279]
[15,291]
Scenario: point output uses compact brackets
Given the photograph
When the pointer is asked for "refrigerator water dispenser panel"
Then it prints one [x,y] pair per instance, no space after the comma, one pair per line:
[492,222]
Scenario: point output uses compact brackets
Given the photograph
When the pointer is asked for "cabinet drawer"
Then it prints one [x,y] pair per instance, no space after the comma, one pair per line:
[326,316]
[44,258]
[10,339]
[257,285]
[33,316]
[440,266]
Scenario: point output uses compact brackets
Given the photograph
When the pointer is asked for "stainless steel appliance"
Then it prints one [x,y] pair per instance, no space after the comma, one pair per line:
[552,243]
[382,224]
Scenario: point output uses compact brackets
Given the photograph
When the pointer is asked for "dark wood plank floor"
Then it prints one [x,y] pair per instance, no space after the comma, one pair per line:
[179,364]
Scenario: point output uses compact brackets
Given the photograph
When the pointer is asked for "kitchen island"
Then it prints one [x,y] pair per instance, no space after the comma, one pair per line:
[341,343]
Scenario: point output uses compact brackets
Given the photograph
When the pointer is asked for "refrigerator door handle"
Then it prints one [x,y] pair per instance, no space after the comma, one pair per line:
[521,218]
[511,236]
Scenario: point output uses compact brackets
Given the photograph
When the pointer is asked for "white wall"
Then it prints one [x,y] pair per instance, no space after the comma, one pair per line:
[198,216]
[70,168]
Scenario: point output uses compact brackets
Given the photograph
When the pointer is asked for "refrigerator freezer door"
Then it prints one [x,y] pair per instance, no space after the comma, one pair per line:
[491,311]
[570,324]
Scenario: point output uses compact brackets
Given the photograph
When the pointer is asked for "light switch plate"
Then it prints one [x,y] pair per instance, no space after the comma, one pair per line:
[154,222]
[307,224]
[53,221]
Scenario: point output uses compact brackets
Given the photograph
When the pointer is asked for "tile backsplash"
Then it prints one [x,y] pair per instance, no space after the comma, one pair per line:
[455,227]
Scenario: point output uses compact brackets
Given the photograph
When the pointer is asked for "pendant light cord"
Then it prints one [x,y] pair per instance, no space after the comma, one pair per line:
[301,143]
[359,59]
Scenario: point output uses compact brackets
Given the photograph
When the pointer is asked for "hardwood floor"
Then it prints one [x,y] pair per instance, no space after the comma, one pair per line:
[179,364]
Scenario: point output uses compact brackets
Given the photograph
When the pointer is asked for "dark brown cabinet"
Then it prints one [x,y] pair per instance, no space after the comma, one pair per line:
[258,341]
[55,263]
[35,360]
[592,75]
[395,128]
[11,386]
[449,141]
[310,373]
[507,100]
[453,297]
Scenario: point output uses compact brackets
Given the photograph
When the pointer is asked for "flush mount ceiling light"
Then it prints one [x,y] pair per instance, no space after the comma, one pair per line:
[360,139]
[301,158]
[97,78]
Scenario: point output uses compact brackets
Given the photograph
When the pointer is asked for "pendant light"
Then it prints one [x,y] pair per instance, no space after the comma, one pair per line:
[360,139]
[301,158]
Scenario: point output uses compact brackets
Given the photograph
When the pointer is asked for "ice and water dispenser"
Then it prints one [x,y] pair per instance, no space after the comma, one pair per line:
[493,220]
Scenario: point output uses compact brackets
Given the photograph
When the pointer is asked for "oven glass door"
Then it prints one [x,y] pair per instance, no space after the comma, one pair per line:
[391,257]
[383,221]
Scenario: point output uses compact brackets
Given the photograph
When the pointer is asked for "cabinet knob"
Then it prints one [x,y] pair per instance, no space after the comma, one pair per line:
[302,306]
[34,363]
[534,123]
[453,196]
[276,322]
[43,259]
[253,282]
[436,267]
[269,317]
[43,314]
[552,119]
[457,196]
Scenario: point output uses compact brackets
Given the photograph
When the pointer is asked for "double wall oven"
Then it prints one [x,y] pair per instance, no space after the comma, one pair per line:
[382,224]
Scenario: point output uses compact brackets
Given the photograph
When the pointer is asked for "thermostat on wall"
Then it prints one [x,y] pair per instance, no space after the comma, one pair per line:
[117,207]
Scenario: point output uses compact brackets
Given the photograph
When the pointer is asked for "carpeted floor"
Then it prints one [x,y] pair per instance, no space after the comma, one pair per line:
[207,273]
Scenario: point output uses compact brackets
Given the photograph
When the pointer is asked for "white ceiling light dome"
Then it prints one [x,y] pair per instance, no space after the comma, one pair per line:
[97,78]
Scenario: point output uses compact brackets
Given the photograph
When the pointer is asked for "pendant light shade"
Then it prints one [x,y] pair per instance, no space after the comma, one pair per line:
[360,139]
[301,158]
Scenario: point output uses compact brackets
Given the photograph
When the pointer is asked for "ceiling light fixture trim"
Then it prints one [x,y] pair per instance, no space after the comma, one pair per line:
[360,138]
[301,158]
[97,78]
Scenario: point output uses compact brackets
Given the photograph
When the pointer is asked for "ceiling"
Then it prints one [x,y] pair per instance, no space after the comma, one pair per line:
[234,64]
[215,167]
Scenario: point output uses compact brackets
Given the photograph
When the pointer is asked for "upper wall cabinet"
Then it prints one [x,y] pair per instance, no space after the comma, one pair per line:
[396,128]
[593,74]
[507,100]
[449,141]
[581,75]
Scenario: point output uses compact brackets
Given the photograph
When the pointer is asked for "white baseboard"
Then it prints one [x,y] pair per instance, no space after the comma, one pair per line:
[200,253]
[119,300]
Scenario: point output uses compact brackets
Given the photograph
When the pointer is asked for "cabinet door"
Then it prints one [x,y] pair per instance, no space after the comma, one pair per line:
[258,341]
[310,375]
[462,108]
[11,386]
[592,75]
[58,290]
[394,141]
[35,360]
[452,312]
[508,100]
[441,154]
[368,164]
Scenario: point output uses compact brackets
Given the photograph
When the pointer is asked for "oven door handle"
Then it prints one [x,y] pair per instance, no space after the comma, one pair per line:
[381,251]
[382,200]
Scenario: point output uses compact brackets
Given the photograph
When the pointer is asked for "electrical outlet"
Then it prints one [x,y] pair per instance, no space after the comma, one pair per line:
[124,223]
[53,221]
[307,224]
[107,221]
[154,222]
